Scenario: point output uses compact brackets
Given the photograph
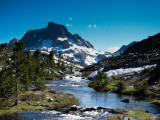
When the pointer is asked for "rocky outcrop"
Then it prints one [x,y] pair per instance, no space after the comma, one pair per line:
[51,71]
[108,109]
[81,42]
[151,43]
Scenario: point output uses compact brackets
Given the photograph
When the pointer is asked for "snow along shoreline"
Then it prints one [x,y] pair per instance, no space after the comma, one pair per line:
[121,71]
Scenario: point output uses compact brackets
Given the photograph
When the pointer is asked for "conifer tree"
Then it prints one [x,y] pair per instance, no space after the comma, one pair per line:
[37,55]
[51,60]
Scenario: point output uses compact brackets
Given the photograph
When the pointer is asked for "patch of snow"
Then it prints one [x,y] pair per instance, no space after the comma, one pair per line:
[90,60]
[44,49]
[62,39]
[122,71]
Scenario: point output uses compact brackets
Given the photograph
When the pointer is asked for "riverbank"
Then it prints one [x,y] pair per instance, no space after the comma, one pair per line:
[135,113]
[41,100]
[134,84]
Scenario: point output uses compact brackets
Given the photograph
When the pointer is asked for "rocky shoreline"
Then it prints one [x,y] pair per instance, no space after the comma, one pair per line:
[110,113]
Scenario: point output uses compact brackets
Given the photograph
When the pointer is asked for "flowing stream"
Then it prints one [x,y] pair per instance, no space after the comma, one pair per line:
[88,97]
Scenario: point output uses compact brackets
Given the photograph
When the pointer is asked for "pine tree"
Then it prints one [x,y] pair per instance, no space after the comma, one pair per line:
[18,51]
[51,60]
[37,55]
[28,54]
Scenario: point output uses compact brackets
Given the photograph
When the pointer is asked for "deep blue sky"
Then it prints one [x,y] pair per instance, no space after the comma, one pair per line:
[118,22]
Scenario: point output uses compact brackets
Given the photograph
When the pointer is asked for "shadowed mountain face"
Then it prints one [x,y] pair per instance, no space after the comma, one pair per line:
[52,32]
[151,43]
[123,48]
[56,38]
[146,52]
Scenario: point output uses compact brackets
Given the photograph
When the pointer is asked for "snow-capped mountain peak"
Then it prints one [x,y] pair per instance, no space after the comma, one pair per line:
[56,38]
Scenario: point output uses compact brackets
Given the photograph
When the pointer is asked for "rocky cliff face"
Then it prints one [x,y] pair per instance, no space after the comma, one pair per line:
[56,38]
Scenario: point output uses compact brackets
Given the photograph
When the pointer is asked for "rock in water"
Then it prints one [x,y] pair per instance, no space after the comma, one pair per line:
[125,100]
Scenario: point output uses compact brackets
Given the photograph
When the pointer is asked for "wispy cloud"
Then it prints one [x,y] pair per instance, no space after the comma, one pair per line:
[94,25]
[113,49]
[70,18]
[89,25]
[69,25]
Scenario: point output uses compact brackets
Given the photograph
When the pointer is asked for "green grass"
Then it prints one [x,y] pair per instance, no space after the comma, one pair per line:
[40,100]
[128,91]
[112,86]
[134,113]
[139,113]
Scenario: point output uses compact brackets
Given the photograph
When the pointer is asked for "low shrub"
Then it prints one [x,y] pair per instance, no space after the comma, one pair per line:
[100,82]
[121,86]
[148,70]
[141,89]
[85,74]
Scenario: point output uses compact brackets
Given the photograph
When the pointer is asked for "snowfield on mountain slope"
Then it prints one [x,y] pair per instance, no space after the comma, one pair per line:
[90,54]
[75,52]
[121,71]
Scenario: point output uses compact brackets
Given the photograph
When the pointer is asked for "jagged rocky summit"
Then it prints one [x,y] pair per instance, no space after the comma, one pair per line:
[56,38]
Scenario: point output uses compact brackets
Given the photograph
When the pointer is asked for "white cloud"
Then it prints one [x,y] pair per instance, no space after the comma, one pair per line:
[69,25]
[113,49]
[95,25]
[89,26]
[70,18]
